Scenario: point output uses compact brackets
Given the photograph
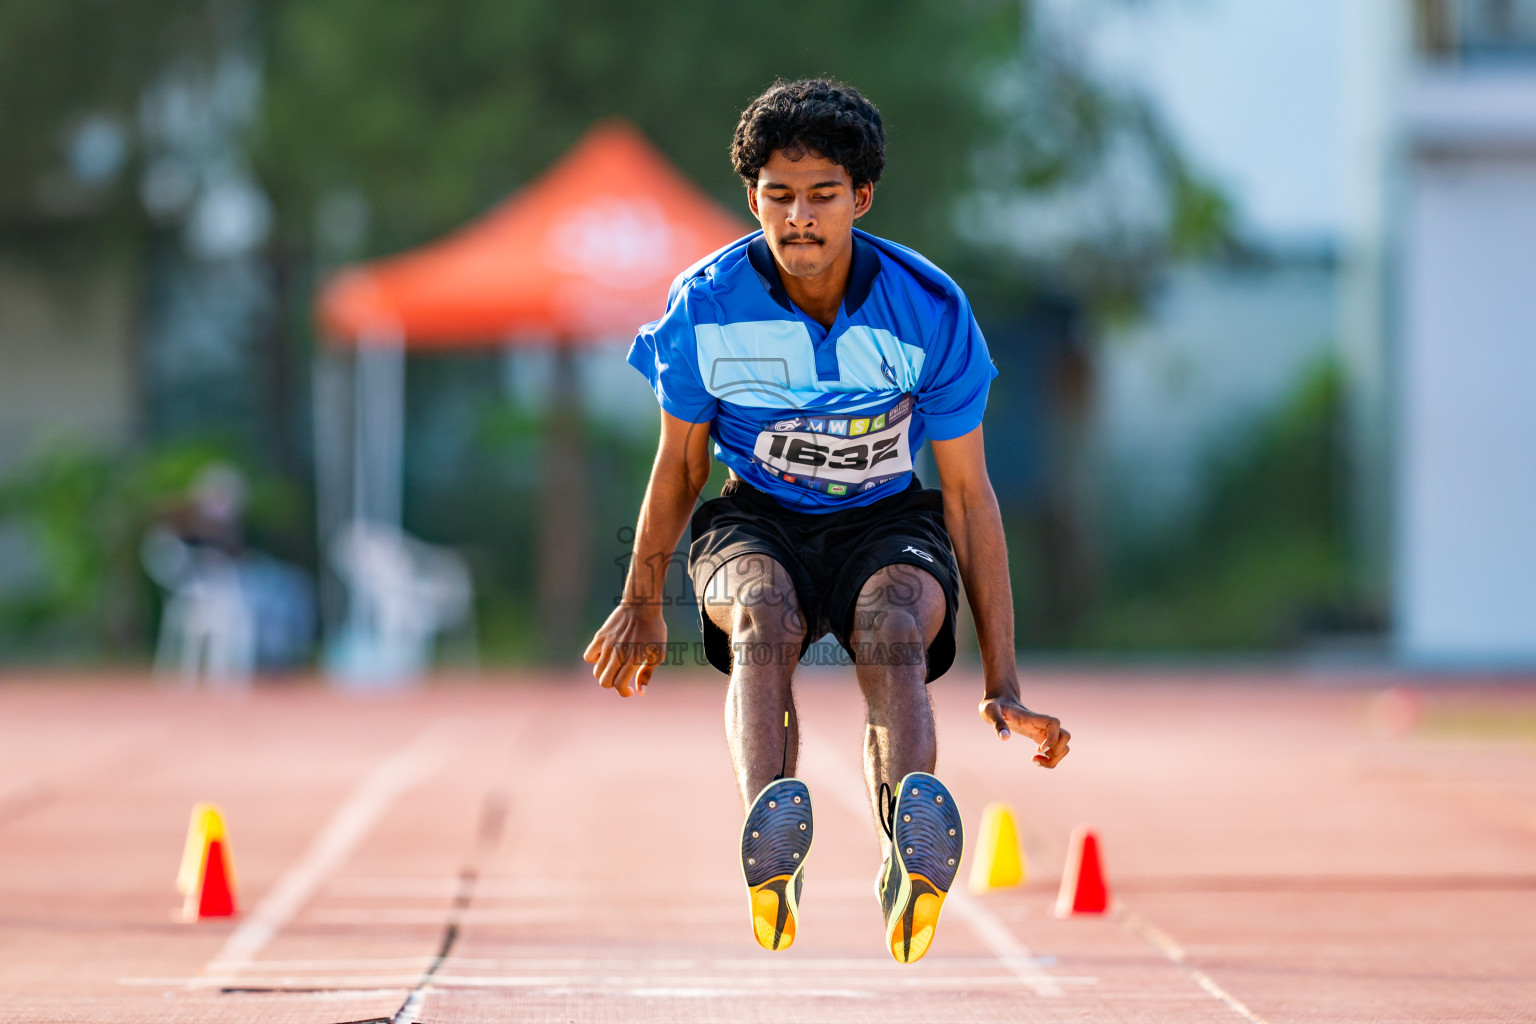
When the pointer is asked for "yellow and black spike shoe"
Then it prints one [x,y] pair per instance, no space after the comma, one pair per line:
[774,844]
[926,839]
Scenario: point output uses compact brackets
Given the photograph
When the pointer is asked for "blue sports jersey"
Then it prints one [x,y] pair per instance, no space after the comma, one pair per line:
[820,419]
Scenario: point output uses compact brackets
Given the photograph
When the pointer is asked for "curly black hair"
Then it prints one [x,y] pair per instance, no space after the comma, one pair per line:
[816,114]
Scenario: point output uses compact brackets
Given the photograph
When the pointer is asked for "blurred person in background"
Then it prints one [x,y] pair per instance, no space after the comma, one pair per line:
[229,610]
[818,358]
[210,517]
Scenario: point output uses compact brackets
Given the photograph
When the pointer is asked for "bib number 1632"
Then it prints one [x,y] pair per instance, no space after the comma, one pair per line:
[800,452]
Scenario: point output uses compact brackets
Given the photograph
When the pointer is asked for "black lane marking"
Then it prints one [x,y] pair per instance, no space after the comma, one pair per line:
[461,900]
[493,819]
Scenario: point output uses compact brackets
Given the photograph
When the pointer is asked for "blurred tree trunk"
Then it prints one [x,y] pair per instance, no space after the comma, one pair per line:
[563,554]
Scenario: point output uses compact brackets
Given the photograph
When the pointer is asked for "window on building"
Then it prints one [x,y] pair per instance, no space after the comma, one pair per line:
[1476,30]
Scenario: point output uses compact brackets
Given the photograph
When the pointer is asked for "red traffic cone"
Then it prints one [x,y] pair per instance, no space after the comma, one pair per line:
[216,897]
[1083,890]
[207,876]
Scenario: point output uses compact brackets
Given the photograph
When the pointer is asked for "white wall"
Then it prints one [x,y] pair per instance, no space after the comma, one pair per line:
[1466,506]
[1251,90]
[1218,350]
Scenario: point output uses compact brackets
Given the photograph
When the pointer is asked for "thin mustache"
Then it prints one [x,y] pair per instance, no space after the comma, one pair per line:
[802,238]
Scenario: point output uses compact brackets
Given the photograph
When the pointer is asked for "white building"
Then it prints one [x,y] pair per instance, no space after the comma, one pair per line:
[1423,112]
[1458,337]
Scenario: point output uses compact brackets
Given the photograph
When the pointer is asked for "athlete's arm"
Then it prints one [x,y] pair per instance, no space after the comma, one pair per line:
[976,530]
[632,642]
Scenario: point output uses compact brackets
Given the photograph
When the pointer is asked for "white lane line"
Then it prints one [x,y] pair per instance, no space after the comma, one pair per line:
[726,993]
[413,1004]
[413,966]
[499,915]
[848,789]
[616,979]
[997,937]
[444,888]
[398,963]
[560,892]
[1164,943]
[347,827]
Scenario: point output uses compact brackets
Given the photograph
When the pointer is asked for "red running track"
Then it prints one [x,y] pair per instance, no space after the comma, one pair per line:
[1281,848]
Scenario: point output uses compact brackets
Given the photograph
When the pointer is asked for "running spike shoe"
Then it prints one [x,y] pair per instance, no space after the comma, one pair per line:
[774,842]
[926,839]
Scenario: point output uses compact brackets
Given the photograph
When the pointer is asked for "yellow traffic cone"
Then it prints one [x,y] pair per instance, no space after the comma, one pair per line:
[207,876]
[999,861]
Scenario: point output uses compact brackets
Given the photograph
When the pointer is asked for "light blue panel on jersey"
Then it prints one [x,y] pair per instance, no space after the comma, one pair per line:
[768,364]
[771,364]
[873,359]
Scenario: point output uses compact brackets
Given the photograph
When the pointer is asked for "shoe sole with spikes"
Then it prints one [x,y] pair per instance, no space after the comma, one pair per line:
[926,842]
[774,843]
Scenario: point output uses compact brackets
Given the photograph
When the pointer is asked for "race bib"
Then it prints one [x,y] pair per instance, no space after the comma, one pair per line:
[838,455]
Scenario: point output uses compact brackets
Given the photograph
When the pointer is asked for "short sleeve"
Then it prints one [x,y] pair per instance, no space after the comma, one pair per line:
[666,354]
[957,372]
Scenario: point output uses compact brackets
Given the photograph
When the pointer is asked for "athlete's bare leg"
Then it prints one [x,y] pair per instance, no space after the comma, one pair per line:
[753,601]
[900,612]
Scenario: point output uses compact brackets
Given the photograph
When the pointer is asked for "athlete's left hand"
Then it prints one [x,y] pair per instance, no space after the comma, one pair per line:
[1008,716]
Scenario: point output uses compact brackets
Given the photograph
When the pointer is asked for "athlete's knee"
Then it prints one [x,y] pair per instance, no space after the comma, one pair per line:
[896,602]
[763,599]
[767,621]
[888,637]
[767,613]
[886,625]
[896,586]
[766,634]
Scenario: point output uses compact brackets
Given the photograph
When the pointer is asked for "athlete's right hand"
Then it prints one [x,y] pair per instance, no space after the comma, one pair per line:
[627,648]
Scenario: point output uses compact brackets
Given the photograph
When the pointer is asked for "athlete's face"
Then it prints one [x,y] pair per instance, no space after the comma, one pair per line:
[807,205]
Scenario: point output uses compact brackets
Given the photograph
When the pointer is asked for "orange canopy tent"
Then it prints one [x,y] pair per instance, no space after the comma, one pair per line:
[585,252]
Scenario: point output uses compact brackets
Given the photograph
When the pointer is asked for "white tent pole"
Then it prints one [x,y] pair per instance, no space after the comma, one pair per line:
[329,394]
[359,433]
[391,399]
[379,444]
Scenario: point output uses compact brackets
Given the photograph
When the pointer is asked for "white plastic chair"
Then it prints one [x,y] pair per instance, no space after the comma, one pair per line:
[402,594]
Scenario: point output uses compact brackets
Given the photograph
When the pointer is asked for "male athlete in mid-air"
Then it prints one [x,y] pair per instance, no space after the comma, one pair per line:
[819,357]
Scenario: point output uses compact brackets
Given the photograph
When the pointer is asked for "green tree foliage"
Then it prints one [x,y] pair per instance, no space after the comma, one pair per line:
[1264,557]
[63,62]
[437,110]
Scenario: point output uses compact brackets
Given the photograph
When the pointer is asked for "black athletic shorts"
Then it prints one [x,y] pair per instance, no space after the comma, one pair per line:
[828,555]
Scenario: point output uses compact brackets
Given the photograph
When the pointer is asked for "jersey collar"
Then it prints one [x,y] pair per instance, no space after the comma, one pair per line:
[861,276]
